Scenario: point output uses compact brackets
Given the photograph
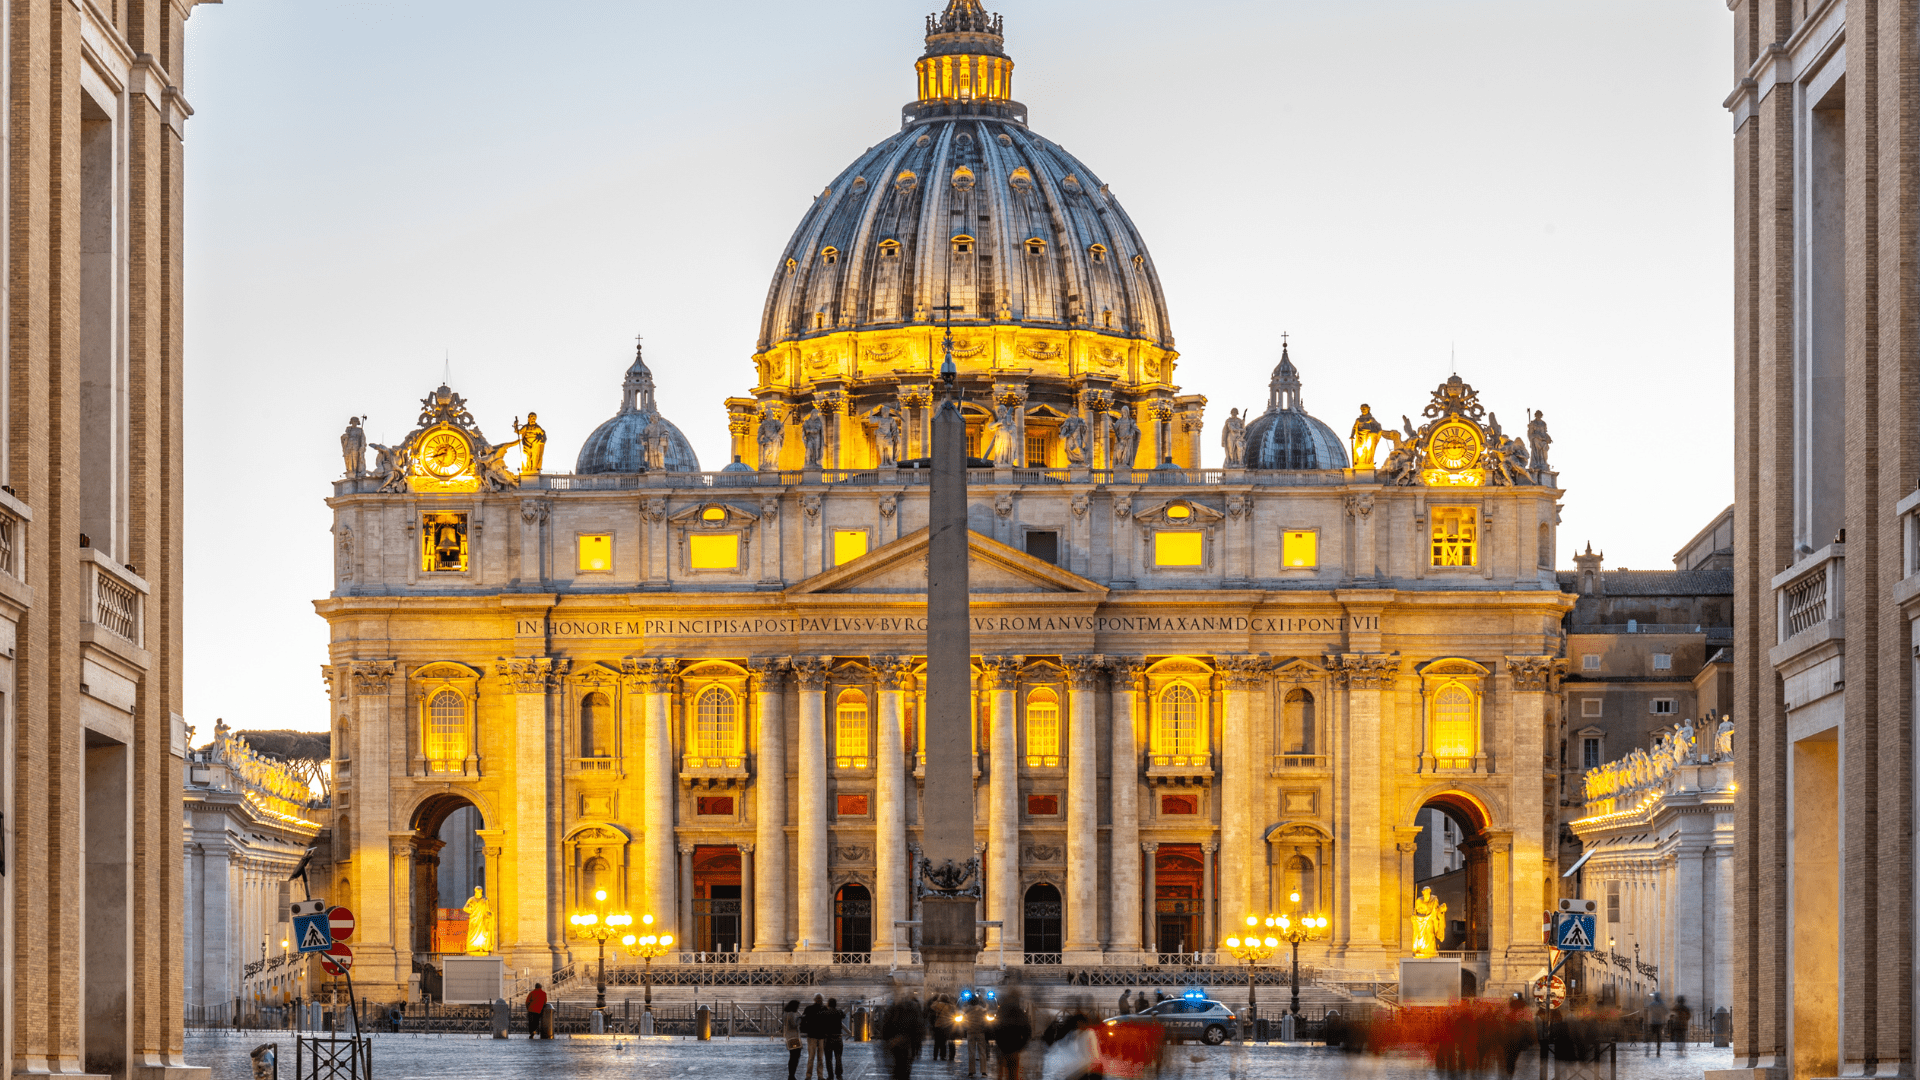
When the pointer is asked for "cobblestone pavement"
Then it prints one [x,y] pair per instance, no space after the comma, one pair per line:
[437,1057]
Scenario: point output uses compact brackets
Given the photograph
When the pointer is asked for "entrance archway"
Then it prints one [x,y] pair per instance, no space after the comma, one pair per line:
[1450,857]
[449,861]
[853,924]
[1043,924]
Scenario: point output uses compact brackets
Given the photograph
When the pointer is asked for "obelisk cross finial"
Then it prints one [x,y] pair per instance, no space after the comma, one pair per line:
[948,373]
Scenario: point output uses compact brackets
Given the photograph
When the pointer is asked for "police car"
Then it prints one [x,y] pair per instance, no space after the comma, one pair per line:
[1193,1015]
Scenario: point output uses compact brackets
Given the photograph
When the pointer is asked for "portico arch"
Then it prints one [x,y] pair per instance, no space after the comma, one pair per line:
[1450,828]
[447,851]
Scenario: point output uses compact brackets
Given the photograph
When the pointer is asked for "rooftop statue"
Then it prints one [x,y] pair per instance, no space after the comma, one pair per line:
[1365,437]
[1233,438]
[813,436]
[886,434]
[1126,440]
[353,446]
[996,438]
[533,443]
[1076,437]
[1538,441]
[771,436]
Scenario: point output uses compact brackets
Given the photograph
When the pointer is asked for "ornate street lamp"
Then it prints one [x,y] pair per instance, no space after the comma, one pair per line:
[598,925]
[1254,948]
[647,945]
[1297,929]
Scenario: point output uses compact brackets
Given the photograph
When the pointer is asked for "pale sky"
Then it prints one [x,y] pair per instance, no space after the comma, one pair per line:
[1542,190]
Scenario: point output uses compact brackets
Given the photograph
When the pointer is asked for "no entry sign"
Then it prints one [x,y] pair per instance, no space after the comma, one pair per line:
[338,959]
[340,921]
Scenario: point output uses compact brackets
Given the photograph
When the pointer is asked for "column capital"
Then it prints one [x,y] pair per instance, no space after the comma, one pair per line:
[1083,672]
[1127,672]
[745,848]
[371,676]
[767,672]
[1364,671]
[1210,846]
[1534,673]
[686,848]
[533,674]
[1001,671]
[891,672]
[1150,848]
[811,671]
[650,675]
[1243,672]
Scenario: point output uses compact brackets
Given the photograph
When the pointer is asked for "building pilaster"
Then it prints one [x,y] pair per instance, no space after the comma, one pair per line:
[814,895]
[890,810]
[1003,812]
[533,833]
[1083,808]
[769,807]
[1357,794]
[1124,912]
[1244,675]
[654,679]
[1148,852]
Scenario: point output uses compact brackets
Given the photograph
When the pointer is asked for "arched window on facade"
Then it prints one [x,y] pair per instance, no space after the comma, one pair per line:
[446,734]
[596,726]
[1176,728]
[850,730]
[1043,728]
[1297,726]
[1455,711]
[716,724]
[1042,930]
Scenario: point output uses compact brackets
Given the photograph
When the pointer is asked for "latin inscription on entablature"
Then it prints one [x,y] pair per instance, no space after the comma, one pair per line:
[577,628]
[862,625]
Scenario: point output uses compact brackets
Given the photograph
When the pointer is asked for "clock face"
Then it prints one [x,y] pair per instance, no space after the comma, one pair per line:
[444,455]
[1455,446]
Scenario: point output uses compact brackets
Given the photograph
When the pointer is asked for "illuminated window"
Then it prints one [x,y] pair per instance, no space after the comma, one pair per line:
[1453,536]
[1036,246]
[1139,261]
[713,514]
[850,730]
[596,726]
[829,255]
[444,543]
[889,249]
[1179,804]
[1099,252]
[962,244]
[1106,318]
[1176,730]
[1297,734]
[1043,728]
[719,551]
[446,741]
[850,806]
[848,545]
[1177,549]
[1299,549]
[791,265]
[596,553]
[1043,806]
[714,806]
[716,731]
[1179,512]
[1453,726]
[1036,451]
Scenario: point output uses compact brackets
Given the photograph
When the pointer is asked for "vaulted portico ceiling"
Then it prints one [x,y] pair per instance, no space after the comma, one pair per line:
[900,567]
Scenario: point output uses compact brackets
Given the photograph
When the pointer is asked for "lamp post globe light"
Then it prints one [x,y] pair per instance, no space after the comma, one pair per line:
[597,926]
[1296,929]
[646,945]
[1257,945]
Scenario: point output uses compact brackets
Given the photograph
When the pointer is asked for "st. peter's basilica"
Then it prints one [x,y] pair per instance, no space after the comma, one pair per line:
[1198,690]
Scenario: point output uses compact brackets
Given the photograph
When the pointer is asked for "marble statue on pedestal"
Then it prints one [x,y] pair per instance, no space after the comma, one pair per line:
[1429,924]
[353,446]
[1233,439]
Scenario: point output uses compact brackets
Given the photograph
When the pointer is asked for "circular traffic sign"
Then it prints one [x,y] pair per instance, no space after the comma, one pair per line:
[1550,992]
[340,921]
[338,959]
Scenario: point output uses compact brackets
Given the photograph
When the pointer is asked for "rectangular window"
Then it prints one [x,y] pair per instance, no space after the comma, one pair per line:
[1663,706]
[1590,706]
[850,805]
[1179,804]
[1177,548]
[1036,451]
[1299,549]
[848,545]
[1662,661]
[1590,662]
[1455,532]
[1453,726]
[850,730]
[714,551]
[1590,752]
[1613,901]
[443,539]
[715,806]
[1043,729]
[596,553]
[1044,546]
[1043,806]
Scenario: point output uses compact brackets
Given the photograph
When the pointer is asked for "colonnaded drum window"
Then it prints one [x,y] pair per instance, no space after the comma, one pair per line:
[596,553]
[714,551]
[848,545]
[1183,548]
[1299,548]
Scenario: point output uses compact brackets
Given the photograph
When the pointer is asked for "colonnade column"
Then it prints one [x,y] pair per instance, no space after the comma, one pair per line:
[814,893]
[1357,795]
[890,798]
[1150,917]
[1083,808]
[769,850]
[1003,812]
[1124,913]
[1238,812]
[656,766]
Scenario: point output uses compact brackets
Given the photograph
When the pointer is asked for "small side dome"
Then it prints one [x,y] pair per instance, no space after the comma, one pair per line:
[1285,436]
[638,439]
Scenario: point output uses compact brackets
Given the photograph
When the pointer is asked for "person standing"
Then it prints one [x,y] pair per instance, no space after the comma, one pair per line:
[1656,1022]
[536,1011]
[942,1023]
[976,1025]
[1012,1031]
[1126,1001]
[1678,1022]
[790,1032]
[901,1030]
[833,1022]
[813,1027]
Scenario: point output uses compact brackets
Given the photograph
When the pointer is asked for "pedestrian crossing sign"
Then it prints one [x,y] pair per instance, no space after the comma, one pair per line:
[311,929]
[1573,931]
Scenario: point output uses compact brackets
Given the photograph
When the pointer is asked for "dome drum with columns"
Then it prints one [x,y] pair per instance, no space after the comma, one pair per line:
[1197,690]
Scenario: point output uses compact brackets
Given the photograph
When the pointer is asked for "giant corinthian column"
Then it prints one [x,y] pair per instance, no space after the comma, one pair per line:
[890,799]
[1239,811]
[655,679]
[1003,809]
[814,892]
[769,807]
[1124,916]
[1083,808]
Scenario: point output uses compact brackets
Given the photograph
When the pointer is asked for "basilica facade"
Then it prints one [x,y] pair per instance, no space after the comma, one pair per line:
[1197,692]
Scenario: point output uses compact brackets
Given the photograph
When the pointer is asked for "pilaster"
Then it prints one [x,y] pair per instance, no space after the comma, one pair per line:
[1003,812]
[815,899]
[1127,679]
[769,807]
[1083,808]
[890,792]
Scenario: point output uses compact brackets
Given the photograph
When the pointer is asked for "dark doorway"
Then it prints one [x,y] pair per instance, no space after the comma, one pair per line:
[1043,926]
[1178,892]
[1044,546]
[716,899]
[852,925]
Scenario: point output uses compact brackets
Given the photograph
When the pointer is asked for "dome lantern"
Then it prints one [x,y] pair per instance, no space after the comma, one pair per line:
[966,59]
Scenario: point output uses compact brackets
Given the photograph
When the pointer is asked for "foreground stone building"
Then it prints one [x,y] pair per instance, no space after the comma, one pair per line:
[1826,571]
[1196,690]
[91,737]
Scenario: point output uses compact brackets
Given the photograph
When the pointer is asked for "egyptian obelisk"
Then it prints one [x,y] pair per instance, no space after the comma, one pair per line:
[950,877]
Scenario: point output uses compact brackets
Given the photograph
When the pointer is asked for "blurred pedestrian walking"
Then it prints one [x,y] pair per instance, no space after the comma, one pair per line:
[790,1033]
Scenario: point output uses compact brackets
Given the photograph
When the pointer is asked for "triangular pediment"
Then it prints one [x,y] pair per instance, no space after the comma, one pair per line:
[992,567]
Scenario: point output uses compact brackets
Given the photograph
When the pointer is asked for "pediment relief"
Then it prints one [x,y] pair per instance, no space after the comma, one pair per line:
[1179,665]
[1453,665]
[713,515]
[992,567]
[596,673]
[1170,511]
[1298,669]
[598,833]
[1298,832]
[447,670]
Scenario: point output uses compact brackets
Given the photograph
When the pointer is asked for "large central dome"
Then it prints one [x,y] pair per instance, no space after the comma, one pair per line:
[966,215]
